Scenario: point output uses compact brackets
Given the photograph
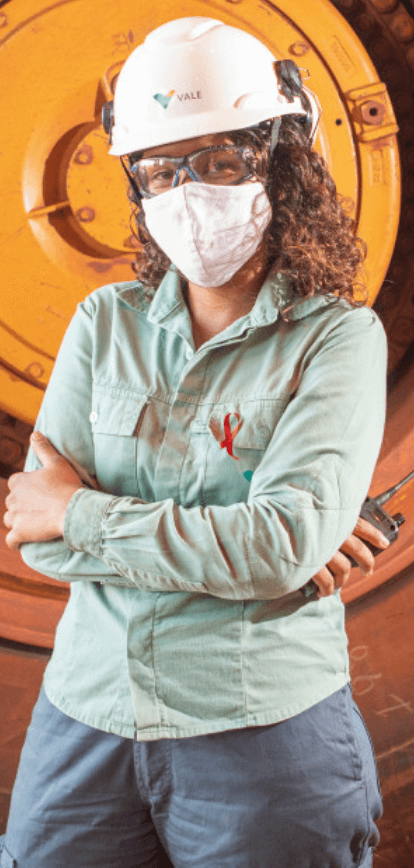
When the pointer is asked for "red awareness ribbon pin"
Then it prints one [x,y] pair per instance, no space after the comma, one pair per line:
[230,434]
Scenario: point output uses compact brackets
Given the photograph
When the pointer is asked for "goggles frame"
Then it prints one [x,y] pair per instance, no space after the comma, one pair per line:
[185,163]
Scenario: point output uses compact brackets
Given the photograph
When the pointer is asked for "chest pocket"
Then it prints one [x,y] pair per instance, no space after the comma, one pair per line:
[240,435]
[115,420]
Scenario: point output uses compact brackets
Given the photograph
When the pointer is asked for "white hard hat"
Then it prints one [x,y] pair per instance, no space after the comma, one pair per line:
[196,76]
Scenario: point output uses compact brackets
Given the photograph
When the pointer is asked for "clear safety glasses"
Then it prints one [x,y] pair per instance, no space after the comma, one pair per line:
[222,165]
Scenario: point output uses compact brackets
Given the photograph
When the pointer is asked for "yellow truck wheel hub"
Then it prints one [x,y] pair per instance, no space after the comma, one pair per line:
[64,215]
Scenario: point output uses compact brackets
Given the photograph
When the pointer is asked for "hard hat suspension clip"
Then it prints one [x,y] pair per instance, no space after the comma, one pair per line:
[291,85]
[108,118]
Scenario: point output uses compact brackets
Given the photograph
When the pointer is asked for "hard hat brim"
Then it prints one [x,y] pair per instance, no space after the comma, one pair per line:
[126,141]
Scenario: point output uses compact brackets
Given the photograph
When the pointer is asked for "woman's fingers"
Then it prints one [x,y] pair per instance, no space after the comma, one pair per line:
[13,480]
[360,553]
[333,575]
[12,542]
[325,582]
[365,530]
[37,500]
[356,548]
[43,449]
[336,573]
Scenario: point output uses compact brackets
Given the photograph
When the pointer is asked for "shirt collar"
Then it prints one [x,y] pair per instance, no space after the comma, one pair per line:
[276,298]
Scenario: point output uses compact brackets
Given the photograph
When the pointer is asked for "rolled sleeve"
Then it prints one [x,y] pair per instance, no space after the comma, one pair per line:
[64,420]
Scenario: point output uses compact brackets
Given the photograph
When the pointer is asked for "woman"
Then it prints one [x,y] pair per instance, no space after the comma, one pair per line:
[227,408]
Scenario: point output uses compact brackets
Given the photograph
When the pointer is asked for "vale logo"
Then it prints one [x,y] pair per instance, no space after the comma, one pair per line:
[164,99]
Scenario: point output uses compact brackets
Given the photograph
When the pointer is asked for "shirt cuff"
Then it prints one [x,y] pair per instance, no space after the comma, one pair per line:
[82,529]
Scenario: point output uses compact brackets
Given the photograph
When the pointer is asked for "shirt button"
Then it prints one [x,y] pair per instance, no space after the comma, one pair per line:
[93,416]
[189,353]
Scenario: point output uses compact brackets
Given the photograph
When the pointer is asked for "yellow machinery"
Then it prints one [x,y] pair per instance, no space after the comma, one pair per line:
[65,230]
[64,215]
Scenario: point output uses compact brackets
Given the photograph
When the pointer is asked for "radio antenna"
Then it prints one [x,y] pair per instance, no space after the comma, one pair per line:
[386,495]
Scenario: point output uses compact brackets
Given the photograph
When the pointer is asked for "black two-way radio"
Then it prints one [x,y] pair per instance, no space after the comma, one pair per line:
[372,511]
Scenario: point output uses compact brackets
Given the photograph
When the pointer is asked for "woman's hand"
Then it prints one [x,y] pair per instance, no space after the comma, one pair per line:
[336,573]
[38,500]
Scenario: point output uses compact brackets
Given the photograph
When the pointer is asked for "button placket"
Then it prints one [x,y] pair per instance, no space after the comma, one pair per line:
[170,479]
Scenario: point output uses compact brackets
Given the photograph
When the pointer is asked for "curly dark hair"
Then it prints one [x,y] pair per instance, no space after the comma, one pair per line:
[311,238]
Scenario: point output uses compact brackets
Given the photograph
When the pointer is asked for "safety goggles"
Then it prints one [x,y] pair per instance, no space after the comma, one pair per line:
[221,165]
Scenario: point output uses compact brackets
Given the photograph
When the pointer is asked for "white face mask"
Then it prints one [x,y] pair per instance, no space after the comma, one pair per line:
[207,231]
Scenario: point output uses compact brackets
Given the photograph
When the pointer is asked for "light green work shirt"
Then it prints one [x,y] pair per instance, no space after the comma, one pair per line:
[229,475]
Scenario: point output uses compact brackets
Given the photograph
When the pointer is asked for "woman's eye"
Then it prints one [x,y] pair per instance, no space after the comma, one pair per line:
[221,166]
[163,175]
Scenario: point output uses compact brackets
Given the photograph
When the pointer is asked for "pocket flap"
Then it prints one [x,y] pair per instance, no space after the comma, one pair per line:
[116,413]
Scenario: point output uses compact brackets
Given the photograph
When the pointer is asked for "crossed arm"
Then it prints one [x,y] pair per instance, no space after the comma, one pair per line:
[37,503]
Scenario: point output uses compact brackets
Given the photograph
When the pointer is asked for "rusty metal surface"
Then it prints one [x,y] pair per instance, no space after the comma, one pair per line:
[64,244]
[396,460]
[386,28]
[381,643]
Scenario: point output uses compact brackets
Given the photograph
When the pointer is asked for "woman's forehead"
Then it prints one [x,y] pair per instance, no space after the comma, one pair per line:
[187,146]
